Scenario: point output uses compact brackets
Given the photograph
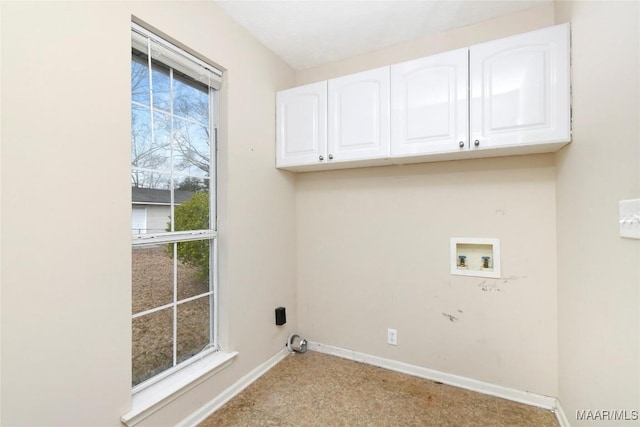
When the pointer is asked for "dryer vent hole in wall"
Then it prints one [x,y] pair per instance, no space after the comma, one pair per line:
[295,344]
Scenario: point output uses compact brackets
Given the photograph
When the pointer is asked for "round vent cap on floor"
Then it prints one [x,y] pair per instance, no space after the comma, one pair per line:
[296,344]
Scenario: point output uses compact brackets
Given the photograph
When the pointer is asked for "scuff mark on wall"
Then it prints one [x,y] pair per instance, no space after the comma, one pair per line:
[510,278]
[450,317]
[491,286]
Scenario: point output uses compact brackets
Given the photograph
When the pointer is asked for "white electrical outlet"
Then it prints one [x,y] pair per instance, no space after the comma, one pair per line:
[392,336]
[629,218]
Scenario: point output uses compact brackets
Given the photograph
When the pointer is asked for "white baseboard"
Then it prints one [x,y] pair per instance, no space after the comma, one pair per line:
[533,399]
[217,402]
[561,416]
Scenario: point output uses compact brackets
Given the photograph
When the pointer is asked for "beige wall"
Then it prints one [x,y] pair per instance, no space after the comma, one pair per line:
[65,143]
[507,25]
[598,271]
[373,249]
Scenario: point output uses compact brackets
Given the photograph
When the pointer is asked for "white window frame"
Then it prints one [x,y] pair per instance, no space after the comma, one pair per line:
[159,390]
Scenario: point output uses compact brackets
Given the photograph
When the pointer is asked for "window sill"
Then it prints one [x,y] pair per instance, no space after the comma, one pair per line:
[149,400]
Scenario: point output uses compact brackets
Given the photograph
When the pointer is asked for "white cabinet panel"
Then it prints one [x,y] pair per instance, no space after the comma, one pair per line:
[429,104]
[359,116]
[301,134]
[520,89]
[505,97]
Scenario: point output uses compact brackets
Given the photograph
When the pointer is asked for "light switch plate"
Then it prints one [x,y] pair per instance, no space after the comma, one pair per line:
[629,218]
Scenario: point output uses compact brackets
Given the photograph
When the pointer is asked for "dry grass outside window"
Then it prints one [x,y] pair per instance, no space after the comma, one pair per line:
[152,286]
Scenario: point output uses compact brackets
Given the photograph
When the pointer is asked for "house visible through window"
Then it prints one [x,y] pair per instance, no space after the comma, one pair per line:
[138,219]
[173,220]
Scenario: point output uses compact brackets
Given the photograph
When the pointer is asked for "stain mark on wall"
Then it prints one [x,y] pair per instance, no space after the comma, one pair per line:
[511,278]
[487,286]
[493,286]
[450,317]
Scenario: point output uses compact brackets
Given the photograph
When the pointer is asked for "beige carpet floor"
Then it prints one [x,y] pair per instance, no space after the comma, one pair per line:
[315,389]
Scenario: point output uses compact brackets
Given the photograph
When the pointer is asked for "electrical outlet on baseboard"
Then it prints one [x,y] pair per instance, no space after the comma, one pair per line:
[392,336]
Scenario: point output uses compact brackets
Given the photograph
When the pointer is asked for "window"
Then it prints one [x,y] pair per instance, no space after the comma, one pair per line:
[173,180]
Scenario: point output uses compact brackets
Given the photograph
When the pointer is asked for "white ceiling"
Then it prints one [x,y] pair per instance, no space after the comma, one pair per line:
[307,33]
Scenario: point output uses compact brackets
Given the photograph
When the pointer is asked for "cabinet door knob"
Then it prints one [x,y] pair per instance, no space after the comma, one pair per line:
[476,142]
[321,158]
[461,144]
[330,156]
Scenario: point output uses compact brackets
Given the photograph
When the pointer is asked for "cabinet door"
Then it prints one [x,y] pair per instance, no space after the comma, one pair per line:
[301,126]
[520,89]
[359,116]
[429,104]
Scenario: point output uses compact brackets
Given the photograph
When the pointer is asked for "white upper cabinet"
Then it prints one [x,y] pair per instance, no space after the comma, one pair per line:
[504,97]
[359,116]
[520,89]
[301,126]
[429,104]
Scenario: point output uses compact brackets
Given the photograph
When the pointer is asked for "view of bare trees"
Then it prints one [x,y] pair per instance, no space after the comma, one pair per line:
[173,136]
